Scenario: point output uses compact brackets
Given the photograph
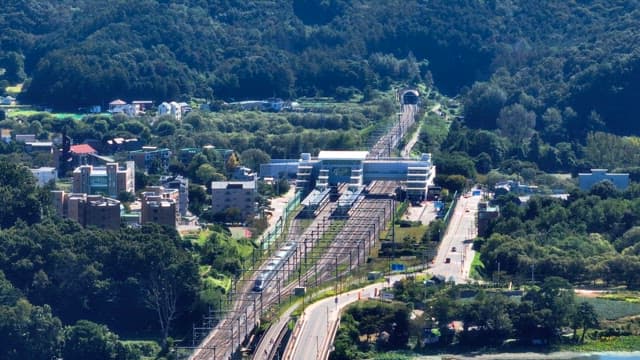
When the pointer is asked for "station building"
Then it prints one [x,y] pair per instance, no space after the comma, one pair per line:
[331,168]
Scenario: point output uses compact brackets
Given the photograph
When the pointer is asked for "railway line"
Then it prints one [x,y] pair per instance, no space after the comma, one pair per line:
[390,140]
[330,241]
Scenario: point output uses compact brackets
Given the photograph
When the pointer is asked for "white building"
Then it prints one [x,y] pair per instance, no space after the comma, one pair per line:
[587,180]
[45,174]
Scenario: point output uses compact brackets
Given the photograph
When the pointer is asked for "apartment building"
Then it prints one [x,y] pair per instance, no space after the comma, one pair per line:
[234,194]
[88,210]
[160,205]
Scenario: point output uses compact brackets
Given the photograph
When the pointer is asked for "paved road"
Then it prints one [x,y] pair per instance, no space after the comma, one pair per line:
[320,321]
[456,245]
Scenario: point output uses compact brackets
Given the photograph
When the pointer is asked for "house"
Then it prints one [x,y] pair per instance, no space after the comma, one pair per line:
[5,135]
[121,107]
[24,138]
[110,180]
[88,210]
[240,195]
[81,154]
[122,144]
[141,106]
[587,180]
[8,100]
[242,173]
[39,147]
[164,108]
[44,175]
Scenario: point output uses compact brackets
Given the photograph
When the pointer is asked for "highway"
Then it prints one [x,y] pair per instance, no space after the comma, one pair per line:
[456,244]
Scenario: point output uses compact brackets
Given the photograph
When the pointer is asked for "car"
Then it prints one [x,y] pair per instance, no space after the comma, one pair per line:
[466,210]
[447,260]
[453,249]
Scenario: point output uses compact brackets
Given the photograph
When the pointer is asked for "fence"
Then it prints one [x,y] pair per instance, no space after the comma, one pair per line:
[273,233]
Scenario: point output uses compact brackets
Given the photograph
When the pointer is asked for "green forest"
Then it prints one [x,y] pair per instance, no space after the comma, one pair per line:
[549,56]
[526,88]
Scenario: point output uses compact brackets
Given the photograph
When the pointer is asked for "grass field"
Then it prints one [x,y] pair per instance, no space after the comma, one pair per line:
[30,112]
[477,268]
[612,309]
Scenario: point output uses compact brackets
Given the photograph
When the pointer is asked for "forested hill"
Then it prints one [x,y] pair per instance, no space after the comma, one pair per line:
[561,53]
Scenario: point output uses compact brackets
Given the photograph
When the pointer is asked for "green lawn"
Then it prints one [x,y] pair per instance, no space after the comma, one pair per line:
[477,268]
[30,112]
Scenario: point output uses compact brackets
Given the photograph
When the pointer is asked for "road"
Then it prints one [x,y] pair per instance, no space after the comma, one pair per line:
[317,330]
[456,244]
[320,322]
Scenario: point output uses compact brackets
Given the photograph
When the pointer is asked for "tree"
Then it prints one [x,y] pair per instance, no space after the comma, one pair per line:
[232,162]
[13,64]
[171,275]
[29,332]
[516,123]
[586,318]
[88,340]
[20,195]
[482,105]
[252,158]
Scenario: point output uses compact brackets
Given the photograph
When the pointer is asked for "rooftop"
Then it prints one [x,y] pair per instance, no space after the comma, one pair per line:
[218,185]
[342,155]
[82,149]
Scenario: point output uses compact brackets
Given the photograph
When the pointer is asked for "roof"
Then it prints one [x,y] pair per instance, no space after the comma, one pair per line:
[82,149]
[244,185]
[342,155]
[118,102]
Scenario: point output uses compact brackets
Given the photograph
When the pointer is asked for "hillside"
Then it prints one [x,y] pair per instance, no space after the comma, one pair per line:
[570,53]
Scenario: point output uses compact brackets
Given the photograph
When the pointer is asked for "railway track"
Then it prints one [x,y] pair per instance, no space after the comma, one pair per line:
[390,140]
[362,226]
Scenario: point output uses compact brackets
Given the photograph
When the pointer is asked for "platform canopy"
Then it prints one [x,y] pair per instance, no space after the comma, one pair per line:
[342,155]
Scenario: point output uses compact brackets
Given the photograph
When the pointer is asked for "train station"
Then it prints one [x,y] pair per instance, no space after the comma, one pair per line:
[354,173]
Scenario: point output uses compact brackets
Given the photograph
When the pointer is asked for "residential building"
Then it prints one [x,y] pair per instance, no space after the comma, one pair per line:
[44,175]
[8,100]
[122,144]
[181,184]
[151,158]
[121,107]
[141,106]
[110,180]
[486,214]
[39,147]
[88,210]
[81,154]
[5,135]
[234,194]
[587,180]
[242,173]
[159,205]
[175,109]
[24,138]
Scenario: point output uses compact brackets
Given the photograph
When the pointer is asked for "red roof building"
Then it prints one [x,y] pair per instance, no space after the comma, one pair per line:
[82,149]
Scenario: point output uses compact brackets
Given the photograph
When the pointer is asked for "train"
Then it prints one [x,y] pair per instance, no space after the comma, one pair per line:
[275,263]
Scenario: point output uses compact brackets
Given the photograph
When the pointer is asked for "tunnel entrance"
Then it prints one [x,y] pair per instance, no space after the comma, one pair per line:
[410,97]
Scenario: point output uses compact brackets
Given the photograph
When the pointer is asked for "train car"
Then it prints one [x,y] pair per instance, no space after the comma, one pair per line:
[275,264]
